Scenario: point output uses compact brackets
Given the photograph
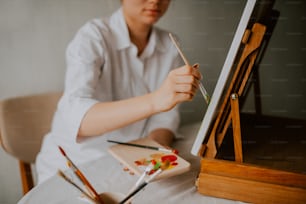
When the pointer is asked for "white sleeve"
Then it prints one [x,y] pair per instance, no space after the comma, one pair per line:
[84,61]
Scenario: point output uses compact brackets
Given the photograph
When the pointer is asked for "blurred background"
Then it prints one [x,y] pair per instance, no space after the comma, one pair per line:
[34,35]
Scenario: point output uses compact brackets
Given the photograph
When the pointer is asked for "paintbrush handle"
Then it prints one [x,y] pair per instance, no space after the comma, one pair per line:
[145,146]
[134,145]
[141,186]
[179,50]
[133,193]
[88,185]
[202,88]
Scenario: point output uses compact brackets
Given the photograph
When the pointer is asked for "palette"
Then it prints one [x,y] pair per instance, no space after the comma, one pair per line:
[136,159]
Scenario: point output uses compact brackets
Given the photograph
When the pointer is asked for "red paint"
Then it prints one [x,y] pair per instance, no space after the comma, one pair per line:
[153,161]
[170,158]
[175,151]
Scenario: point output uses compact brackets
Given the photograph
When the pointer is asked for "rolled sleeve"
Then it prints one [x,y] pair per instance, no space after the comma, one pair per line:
[84,61]
[72,114]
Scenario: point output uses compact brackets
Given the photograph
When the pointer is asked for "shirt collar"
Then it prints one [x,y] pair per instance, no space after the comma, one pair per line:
[121,33]
[120,30]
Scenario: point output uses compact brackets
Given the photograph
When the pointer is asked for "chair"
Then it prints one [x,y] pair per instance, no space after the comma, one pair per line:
[23,123]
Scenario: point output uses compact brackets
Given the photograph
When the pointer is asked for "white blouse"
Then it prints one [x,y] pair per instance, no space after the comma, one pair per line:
[102,65]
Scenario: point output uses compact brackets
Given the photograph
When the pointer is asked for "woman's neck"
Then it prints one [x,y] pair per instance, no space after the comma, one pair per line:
[139,35]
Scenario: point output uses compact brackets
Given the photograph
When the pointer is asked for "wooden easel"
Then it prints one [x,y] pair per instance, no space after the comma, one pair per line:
[234,179]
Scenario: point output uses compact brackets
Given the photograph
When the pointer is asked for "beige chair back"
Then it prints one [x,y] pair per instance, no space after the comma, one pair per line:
[23,123]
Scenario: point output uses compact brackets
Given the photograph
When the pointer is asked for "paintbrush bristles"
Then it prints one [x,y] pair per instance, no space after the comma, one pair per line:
[61,174]
[80,175]
[62,151]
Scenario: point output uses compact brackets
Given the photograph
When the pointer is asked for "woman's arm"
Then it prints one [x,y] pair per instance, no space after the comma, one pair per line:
[107,116]
[180,85]
[163,136]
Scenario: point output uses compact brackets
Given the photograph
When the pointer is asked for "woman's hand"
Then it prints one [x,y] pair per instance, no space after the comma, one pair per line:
[180,85]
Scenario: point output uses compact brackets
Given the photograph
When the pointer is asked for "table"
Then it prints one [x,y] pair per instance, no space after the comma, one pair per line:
[107,175]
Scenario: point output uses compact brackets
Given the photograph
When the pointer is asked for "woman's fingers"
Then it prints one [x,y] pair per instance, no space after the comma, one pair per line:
[197,66]
[181,85]
[186,88]
[187,80]
[188,71]
[181,97]
[187,75]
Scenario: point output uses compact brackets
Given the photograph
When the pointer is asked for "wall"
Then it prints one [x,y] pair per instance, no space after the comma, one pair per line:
[35,33]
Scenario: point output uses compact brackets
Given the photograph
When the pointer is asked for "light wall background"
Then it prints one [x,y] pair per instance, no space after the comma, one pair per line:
[34,35]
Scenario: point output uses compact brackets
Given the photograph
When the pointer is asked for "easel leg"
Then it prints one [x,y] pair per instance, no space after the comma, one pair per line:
[236,128]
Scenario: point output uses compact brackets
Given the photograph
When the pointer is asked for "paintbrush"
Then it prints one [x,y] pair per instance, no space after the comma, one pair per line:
[66,178]
[146,146]
[140,187]
[201,86]
[81,176]
[164,166]
[146,171]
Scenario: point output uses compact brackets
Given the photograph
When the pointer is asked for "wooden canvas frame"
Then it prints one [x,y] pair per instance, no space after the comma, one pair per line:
[223,78]
[233,179]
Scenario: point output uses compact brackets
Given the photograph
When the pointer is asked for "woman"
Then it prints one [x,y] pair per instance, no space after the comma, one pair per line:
[119,85]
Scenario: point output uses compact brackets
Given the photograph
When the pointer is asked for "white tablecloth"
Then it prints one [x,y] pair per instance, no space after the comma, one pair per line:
[107,175]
